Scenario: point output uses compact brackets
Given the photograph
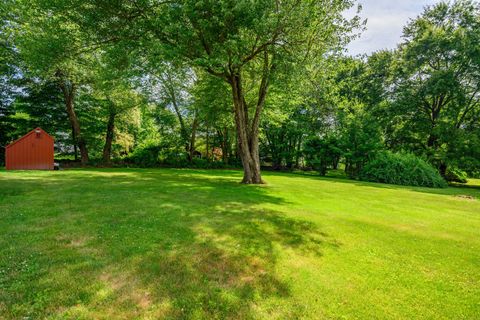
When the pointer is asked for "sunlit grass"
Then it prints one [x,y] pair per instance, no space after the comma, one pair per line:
[195,244]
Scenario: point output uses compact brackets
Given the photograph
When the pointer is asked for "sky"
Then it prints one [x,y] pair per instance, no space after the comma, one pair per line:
[386,19]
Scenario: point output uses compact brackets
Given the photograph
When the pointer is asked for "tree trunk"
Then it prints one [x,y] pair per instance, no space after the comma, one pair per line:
[443,169]
[75,148]
[231,145]
[298,150]
[247,137]
[183,128]
[247,131]
[336,160]
[193,138]
[432,139]
[289,154]
[225,145]
[347,166]
[68,90]
[207,142]
[107,148]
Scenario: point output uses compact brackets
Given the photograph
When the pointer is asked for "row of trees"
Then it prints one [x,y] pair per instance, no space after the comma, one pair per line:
[239,82]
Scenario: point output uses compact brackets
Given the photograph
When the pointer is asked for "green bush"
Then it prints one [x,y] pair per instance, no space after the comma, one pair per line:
[146,156]
[207,164]
[154,155]
[456,175]
[402,169]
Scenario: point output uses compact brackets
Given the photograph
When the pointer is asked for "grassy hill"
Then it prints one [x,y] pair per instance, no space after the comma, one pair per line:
[193,244]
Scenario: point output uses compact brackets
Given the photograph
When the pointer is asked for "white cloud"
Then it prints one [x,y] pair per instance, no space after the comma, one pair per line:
[385,22]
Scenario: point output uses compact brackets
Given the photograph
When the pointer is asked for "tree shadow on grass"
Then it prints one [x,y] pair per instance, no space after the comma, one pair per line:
[147,243]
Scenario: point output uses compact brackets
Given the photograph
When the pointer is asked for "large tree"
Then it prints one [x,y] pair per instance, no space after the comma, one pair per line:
[437,79]
[8,75]
[170,86]
[241,42]
[54,50]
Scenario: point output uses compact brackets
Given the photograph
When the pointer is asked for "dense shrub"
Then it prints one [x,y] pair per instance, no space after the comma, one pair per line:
[197,163]
[145,156]
[153,155]
[401,169]
[456,175]
[208,164]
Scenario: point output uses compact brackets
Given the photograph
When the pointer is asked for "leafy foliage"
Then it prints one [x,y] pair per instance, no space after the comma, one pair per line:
[402,169]
[323,153]
[256,83]
[146,156]
[456,175]
[361,140]
[435,97]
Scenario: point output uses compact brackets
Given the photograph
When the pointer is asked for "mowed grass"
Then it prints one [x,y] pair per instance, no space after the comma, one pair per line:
[193,244]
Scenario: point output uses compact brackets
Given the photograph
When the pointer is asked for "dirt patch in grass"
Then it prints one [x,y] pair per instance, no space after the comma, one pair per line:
[466,197]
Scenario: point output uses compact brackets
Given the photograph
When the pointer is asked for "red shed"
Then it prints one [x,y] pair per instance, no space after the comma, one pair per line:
[32,151]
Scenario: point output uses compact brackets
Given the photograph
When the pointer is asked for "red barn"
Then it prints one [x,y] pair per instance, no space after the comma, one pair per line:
[32,151]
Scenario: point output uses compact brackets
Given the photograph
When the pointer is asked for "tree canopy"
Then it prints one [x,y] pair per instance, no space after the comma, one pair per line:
[240,83]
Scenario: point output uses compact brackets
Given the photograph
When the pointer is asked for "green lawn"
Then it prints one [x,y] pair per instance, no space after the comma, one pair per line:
[193,244]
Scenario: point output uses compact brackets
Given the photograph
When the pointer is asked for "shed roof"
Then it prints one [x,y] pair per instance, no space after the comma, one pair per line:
[31,132]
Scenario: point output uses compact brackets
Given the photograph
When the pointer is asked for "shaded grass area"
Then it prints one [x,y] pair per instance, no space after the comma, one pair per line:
[196,244]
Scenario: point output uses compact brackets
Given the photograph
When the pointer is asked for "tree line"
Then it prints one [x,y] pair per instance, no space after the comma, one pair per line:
[240,83]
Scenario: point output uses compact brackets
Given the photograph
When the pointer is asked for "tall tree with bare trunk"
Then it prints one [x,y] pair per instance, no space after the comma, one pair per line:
[54,49]
[245,43]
